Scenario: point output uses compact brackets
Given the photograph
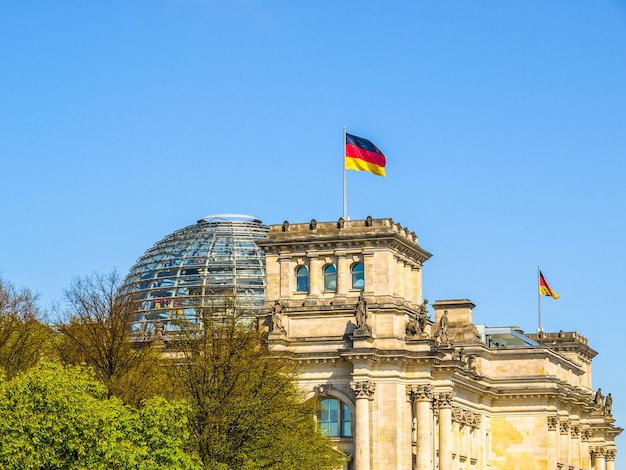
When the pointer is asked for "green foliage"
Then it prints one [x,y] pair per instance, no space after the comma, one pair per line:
[56,417]
[96,330]
[24,340]
[246,413]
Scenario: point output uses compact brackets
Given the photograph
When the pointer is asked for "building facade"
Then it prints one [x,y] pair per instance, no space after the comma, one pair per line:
[399,388]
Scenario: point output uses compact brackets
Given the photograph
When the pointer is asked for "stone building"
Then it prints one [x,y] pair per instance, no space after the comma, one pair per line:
[404,385]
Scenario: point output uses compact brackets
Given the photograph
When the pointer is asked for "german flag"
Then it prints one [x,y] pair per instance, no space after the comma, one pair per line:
[544,288]
[362,155]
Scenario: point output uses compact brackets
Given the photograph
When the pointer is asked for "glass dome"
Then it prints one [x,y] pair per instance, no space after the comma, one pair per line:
[198,268]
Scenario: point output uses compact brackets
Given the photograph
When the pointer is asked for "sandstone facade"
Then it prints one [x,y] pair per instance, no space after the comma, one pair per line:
[403,385]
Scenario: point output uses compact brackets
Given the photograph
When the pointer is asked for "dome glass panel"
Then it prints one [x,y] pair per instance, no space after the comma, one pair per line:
[197,269]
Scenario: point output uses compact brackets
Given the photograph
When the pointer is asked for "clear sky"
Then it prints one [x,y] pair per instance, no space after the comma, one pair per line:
[503,124]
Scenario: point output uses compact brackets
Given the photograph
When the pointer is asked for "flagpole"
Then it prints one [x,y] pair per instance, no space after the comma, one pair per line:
[539,329]
[343,161]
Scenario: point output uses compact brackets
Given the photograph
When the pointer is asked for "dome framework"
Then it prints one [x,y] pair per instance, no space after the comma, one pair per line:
[204,267]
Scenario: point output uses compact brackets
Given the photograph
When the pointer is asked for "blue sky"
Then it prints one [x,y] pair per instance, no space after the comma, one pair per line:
[503,124]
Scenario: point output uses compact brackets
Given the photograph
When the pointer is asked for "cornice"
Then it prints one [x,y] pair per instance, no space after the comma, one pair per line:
[379,355]
[301,243]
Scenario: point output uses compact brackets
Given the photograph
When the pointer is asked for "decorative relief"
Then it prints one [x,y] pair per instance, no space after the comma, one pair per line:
[575,430]
[597,452]
[444,399]
[466,417]
[610,454]
[564,426]
[420,392]
[364,389]
[585,434]
[553,423]
[322,389]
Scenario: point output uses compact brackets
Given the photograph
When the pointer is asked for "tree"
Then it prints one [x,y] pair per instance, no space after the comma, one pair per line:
[97,331]
[23,338]
[245,411]
[56,417]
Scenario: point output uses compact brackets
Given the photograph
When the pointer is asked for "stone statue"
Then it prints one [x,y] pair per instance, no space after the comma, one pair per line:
[422,315]
[608,404]
[418,324]
[471,363]
[158,331]
[598,398]
[277,318]
[412,327]
[442,330]
[360,313]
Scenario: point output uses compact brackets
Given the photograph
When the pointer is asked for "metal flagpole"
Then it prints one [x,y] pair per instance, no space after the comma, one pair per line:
[343,160]
[539,329]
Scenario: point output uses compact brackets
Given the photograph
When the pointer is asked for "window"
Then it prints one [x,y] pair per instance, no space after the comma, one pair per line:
[335,418]
[330,278]
[358,280]
[302,279]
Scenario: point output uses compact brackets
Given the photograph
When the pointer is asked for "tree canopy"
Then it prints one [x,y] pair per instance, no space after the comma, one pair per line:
[245,411]
[95,329]
[24,339]
[210,390]
[59,417]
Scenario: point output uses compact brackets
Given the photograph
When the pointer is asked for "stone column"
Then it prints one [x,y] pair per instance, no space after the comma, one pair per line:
[344,277]
[422,396]
[585,448]
[369,275]
[286,275]
[564,442]
[315,276]
[444,400]
[599,454]
[398,286]
[610,459]
[553,427]
[408,284]
[575,446]
[363,391]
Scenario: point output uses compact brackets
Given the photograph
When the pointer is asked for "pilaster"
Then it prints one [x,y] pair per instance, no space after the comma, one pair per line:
[363,392]
[422,396]
[444,402]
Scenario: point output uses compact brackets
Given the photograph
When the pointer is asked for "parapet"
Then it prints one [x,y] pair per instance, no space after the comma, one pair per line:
[363,232]
[565,342]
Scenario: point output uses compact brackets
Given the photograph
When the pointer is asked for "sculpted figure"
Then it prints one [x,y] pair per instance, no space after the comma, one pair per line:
[412,327]
[442,330]
[158,329]
[422,315]
[599,397]
[360,312]
[418,324]
[277,318]
[608,404]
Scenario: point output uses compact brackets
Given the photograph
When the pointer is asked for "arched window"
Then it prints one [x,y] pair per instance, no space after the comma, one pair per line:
[302,279]
[335,419]
[358,280]
[330,278]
